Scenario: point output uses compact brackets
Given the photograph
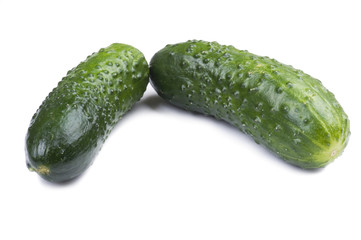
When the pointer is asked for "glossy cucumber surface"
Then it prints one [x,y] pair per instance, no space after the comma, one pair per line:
[72,123]
[280,107]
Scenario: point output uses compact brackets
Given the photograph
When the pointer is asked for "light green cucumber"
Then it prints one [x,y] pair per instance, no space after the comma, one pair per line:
[280,107]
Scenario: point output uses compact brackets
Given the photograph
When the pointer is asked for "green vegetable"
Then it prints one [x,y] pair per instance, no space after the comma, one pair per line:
[282,108]
[71,125]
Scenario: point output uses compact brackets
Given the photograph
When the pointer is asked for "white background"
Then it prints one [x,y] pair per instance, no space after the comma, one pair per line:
[165,173]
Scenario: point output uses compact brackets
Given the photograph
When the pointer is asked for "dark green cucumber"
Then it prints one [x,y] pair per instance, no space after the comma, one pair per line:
[74,120]
[282,108]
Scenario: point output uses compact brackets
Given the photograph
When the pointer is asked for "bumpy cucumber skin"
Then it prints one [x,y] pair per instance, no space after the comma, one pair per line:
[71,125]
[282,108]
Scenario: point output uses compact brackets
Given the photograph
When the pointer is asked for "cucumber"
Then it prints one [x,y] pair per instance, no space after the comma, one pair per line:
[282,108]
[72,123]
